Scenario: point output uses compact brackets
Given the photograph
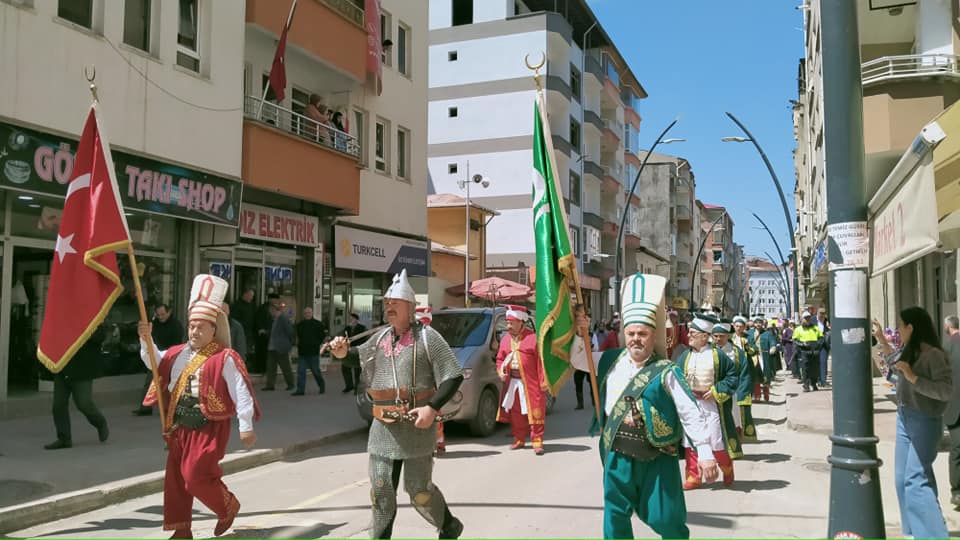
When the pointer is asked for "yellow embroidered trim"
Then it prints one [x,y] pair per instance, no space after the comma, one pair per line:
[721,397]
[193,365]
[214,403]
[660,427]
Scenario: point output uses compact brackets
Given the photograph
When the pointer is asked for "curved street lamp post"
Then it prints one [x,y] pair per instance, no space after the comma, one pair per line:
[618,265]
[783,202]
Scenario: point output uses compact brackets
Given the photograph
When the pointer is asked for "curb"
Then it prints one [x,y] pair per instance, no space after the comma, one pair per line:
[805,428]
[14,518]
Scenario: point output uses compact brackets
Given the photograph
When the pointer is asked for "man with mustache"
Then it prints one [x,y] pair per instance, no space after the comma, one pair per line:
[410,373]
[647,407]
[740,404]
[523,400]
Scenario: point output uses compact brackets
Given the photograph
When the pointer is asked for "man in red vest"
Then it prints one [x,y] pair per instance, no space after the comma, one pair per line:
[204,384]
[523,399]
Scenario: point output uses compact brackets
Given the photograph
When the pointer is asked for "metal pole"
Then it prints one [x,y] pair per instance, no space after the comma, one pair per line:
[783,203]
[466,241]
[855,501]
[581,241]
[780,253]
[696,263]
[618,270]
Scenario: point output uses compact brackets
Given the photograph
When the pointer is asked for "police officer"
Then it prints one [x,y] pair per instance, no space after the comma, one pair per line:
[808,339]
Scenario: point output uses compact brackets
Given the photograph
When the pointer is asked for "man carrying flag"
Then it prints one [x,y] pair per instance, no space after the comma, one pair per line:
[84,279]
[523,400]
[205,384]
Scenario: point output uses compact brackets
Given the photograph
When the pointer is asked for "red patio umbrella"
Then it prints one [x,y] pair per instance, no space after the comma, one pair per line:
[497,289]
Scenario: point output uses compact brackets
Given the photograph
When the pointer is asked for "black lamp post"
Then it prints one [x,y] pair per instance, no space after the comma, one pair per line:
[783,201]
[618,266]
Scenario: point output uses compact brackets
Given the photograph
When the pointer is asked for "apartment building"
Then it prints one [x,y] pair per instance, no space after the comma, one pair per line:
[768,293]
[719,266]
[481,122]
[357,177]
[171,108]
[911,82]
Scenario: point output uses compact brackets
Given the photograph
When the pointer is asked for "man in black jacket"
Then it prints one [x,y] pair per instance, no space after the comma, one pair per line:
[167,332]
[311,333]
[76,378]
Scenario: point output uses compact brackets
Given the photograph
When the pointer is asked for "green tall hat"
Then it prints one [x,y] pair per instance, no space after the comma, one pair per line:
[643,303]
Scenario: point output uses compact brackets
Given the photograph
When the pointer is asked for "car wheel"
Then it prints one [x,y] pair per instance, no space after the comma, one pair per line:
[484,423]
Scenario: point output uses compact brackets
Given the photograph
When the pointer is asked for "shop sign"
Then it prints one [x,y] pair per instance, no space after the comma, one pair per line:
[221,270]
[819,258]
[278,274]
[42,163]
[272,225]
[375,252]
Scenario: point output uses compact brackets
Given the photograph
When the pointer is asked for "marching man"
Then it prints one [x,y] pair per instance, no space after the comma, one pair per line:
[205,384]
[523,399]
[745,389]
[742,366]
[410,374]
[713,378]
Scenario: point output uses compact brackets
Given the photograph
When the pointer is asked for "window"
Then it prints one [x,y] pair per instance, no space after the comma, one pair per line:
[136,24]
[188,36]
[575,241]
[403,153]
[575,83]
[575,135]
[269,114]
[403,49]
[299,101]
[76,11]
[451,168]
[452,112]
[360,132]
[574,188]
[382,145]
[386,54]
[451,56]
[462,12]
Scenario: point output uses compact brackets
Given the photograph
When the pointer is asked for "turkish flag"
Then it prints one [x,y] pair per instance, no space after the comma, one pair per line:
[84,278]
[278,72]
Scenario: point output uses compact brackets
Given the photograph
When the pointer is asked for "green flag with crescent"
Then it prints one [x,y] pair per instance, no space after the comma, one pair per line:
[556,265]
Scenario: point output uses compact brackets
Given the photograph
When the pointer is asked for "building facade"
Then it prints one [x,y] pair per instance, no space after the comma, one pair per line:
[910,82]
[768,296]
[477,65]
[719,266]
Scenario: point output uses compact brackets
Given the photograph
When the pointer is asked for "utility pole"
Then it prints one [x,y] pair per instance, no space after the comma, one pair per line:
[855,504]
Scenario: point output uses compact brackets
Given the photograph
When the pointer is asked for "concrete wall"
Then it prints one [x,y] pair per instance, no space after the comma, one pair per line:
[42,58]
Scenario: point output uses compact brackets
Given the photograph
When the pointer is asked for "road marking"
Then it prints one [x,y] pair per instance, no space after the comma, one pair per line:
[304,504]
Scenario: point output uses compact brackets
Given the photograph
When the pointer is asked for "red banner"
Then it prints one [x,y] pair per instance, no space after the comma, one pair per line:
[374,45]
[84,277]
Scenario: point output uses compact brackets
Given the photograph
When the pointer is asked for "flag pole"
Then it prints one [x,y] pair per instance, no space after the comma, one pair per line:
[136,275]
[587,345]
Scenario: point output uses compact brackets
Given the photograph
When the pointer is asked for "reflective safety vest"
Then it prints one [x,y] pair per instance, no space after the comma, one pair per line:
[807,334]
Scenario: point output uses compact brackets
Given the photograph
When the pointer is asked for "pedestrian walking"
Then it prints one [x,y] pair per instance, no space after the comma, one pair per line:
[279,346]
[770,359]
[311,334]
[745,389]
[76,379]
[410,373]
[787,341]
[263,326]
[204,384]
[647,408]
[823,323]
[951,416]
[923,393]
[742,416]
[244,310]
[167,332]
[523,400]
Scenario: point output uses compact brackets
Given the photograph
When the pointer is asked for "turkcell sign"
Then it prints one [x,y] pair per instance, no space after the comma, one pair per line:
[357,249]
[272,225]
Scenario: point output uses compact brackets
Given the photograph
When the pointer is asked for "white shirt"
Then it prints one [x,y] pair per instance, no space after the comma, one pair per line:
[237,387]
[691,416]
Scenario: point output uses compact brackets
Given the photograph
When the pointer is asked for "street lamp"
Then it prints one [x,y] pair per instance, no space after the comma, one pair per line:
[465,184]
[783,200]
[618,265]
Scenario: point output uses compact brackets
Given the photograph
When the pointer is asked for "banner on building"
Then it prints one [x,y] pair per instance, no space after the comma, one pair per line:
[280,226]
[358,249]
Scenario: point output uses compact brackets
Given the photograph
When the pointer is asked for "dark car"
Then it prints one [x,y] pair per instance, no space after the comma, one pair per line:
[474,336]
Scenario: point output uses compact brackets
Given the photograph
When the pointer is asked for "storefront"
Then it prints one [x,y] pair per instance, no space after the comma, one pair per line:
[161,201]
[366,261]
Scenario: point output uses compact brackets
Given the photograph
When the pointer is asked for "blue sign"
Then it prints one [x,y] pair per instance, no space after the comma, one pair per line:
[281,274]
[221,270]
[819,258]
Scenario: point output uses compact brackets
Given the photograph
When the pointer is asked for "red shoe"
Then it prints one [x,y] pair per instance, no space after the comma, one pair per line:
[728,479]
[517,445]
[691,485]
[538,450]
[182,533]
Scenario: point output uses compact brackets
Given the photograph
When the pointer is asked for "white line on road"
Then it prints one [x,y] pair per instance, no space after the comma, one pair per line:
[299,506]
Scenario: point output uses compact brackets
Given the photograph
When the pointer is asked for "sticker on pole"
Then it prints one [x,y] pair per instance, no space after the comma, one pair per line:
[853,243]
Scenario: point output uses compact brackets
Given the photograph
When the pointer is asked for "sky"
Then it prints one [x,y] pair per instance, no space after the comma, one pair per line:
[699,59]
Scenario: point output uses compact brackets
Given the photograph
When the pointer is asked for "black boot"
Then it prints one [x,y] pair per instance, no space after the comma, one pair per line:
[452,527]
[579,401]
[58,444]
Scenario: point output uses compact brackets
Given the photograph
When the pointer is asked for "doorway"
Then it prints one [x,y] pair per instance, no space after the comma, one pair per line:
[28,297]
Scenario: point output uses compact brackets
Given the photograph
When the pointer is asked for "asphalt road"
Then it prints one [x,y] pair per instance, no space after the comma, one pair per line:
[781,490]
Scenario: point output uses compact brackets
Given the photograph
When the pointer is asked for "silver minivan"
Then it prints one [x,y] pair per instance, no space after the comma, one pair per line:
[474,335]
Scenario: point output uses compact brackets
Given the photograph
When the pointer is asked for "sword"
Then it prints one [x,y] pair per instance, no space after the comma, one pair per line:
[351,339]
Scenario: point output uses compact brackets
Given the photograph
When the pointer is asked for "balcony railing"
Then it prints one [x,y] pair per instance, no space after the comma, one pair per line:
[616,171]
[300,125]
[347,8]
[615,126]
[909,66]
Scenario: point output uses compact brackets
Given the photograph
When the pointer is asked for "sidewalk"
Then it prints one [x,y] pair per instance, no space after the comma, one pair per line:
[813,412]
[38,484]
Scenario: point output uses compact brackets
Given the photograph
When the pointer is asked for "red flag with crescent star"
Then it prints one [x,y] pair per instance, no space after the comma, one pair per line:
[84,277]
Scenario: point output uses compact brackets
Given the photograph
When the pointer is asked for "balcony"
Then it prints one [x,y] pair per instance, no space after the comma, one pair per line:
[610,178]
[909,66]
[610,228]
[286,152]
[612,129]
[684,213]
[342,42]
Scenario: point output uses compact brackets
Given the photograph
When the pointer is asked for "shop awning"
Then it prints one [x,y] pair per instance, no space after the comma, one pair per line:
[946,162]
[902,225]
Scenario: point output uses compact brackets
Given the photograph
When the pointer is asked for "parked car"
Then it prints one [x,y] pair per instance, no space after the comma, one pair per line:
[474,336]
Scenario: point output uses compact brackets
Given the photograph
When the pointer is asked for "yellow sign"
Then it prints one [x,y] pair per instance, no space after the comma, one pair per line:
[679,303]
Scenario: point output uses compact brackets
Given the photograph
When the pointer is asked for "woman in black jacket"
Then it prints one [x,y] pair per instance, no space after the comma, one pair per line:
[76,379]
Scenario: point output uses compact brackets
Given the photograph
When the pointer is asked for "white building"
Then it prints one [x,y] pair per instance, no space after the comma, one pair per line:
[768,295]
[481,122]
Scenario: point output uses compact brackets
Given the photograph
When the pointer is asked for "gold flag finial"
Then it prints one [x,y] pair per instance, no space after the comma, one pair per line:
[91,75]
[537,77]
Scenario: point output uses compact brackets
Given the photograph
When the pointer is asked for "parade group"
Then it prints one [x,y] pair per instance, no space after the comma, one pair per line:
[661,399]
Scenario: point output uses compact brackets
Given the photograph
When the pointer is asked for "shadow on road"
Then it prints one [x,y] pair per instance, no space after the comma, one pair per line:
[560,447]
[456,454]
[748,486]
[319,530]
[767,421]
[766,458]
